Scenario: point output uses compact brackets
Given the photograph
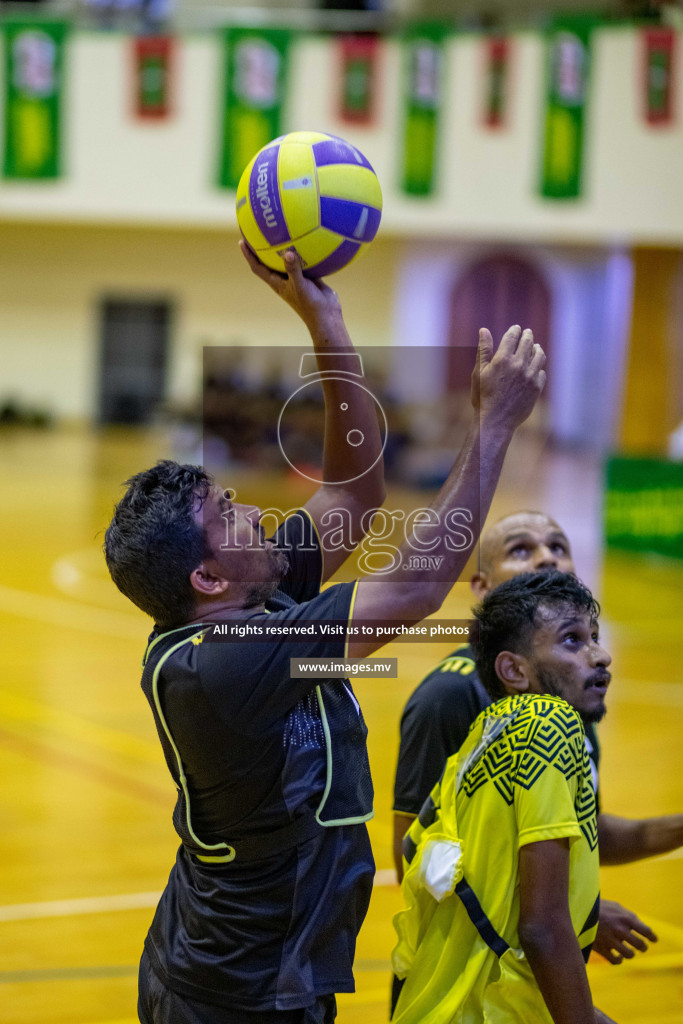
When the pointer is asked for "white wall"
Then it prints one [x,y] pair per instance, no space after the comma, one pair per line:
[53,277]
[122,170]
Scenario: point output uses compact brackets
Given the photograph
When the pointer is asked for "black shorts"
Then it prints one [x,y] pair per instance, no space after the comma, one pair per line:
[160,1005]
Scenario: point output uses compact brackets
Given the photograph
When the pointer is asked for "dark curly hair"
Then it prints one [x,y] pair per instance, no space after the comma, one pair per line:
[507,617]
[153,542]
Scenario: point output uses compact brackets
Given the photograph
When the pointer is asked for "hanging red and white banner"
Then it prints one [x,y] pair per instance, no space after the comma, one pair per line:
[358,58]
[496,81]
[152,76]
[659,75]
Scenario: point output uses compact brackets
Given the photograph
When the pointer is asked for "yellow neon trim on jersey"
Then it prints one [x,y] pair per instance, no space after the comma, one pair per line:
[350,616]
[218,860]
[170,632]
[181,772]
[328,782]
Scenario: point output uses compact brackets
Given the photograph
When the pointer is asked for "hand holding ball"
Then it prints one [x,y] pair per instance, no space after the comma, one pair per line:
[311,192]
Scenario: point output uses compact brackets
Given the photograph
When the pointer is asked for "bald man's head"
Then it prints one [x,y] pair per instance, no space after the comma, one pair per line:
[520,542]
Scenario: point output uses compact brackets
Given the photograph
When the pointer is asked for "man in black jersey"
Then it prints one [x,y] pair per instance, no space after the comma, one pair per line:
[258,921]
[437,717]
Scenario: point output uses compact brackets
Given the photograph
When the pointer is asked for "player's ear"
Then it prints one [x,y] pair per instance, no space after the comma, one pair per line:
[479,585]
[511,669]
[206,583]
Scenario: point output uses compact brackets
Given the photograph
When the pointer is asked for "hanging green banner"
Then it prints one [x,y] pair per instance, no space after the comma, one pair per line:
[34,74]
[256,71]
[568,58]
[423,77]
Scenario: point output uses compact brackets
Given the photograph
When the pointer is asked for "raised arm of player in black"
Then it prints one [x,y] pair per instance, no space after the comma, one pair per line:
[505,387]
[353,474]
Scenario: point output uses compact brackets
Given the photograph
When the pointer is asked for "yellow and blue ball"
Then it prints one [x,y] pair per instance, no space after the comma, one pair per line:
[312,192]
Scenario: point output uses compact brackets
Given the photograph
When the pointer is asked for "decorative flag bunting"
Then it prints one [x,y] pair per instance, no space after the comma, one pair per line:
[34,71]
[423,63]
[153,64]
[256,67]
[568,56]
[358,59]
[497,67]
[659,54]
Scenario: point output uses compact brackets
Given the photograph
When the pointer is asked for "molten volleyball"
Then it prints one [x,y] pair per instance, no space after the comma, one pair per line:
[311,192]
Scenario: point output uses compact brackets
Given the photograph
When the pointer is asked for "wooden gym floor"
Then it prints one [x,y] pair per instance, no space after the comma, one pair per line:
[85,830]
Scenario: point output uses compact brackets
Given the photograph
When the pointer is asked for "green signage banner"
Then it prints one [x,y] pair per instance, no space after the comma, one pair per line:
[568,60]
[423,87]
[644,505]
[34,75]
[256,72]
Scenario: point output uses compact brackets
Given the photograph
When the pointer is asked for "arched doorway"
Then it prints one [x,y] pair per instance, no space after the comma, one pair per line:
[494,292]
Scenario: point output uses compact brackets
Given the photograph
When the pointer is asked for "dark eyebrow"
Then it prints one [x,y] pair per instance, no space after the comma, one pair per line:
[567,623]
[516,536]
[522,535]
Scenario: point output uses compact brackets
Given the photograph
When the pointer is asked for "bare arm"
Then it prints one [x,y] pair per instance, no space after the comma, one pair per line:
[505,388]
[546,933]
[353,473]
[402,823]
[622,840]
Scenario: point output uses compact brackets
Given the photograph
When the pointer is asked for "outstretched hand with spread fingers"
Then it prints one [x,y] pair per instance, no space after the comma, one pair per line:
[507,383]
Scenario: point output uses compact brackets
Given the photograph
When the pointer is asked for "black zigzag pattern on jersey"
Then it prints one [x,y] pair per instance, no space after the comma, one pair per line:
[585,803]
[545,732]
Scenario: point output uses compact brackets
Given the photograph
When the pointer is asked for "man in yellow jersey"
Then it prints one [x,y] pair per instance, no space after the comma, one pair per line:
[438,715]
[502,888]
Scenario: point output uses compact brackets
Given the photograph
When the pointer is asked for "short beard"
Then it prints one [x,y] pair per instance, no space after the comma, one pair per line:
[592,717]
[259,593]
[545,678]
[279,563]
